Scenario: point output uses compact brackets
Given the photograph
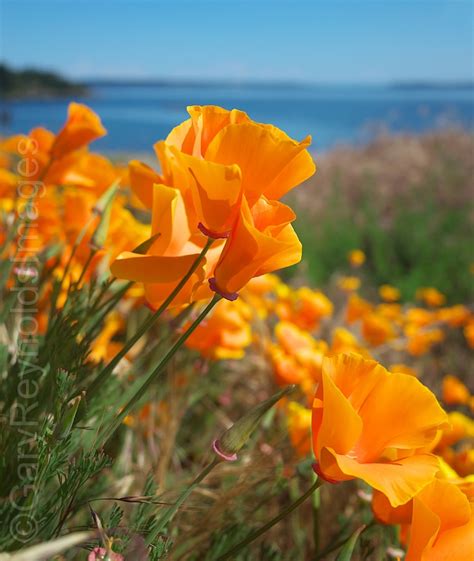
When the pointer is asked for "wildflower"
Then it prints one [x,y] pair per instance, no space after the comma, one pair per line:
[385,513]
[419,317]
[305,308]
[431,296]
[349,284]
[356,257]
[376,329]
[460,427]
[286,367]
[260,294]
[82,127]
[469,334]
[389,293]
[420,341]
[171,255]
[225,334]
[311,307]
[442,525]
[454,316]
[370,424]
[357,308]
[392,312]
[222,177]
[299,427]
[343,341]
[454,391]
[262,241]
[297,358]
[462,461]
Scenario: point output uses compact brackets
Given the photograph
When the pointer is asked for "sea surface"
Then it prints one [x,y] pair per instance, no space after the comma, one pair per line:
[136,116]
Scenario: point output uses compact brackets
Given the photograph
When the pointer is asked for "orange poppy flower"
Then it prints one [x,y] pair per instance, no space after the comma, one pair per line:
[454,316]
[349,284]
[224,173]
[310,307]
[454,391]
[286,368]
[262,241]
[357,308]
[356,257]
[389,293]
[343,341]
[34,150]
[469,334]
[376,329]
[420,341]
[370,424]
[462,461]
[442,525]
[82,127]
[299,427]
[173,252]
[222,156]
[83,170]
[384,512]
[460,427]
[225,334]
[431,296]
[297,358]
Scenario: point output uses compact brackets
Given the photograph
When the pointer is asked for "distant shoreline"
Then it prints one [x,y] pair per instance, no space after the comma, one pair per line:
[37,84]
[164,83]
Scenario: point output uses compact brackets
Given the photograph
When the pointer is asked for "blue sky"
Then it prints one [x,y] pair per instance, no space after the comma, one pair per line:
[317,40]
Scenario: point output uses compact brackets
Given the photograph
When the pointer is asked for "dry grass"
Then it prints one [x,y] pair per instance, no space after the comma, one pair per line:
[393,166]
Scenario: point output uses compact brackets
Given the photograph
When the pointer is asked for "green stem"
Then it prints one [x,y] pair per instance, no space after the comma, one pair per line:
[155,373]
[102,312]
[173,509]
[98,305]
[257,533]
[333,546]
[105,373]
[316,505]
[92,253]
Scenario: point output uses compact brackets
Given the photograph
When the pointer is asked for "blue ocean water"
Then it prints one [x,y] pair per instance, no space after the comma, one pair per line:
[136,116]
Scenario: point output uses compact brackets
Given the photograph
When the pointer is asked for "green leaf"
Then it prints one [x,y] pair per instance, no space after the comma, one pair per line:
[145,246]
[348,549]
[104,209]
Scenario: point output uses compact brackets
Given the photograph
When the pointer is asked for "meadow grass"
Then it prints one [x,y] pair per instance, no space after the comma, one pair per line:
[416,230]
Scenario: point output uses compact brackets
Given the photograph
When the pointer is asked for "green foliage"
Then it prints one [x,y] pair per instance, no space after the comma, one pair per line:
[32,82]
[423,244]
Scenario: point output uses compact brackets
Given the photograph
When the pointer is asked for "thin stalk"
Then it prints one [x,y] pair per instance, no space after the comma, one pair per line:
[155,373]
[257,533]
[103,310]
[333,546]
[98,305]
[173,509]
[105,373]
[316,506]
[92,253]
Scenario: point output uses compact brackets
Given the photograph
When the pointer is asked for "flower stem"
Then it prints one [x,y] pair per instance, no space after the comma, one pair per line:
[316,505]
[154,374]
[257,533]
[105,373]
[173,509]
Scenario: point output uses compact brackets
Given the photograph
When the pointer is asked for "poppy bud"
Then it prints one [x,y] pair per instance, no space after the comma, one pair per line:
[239,433]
